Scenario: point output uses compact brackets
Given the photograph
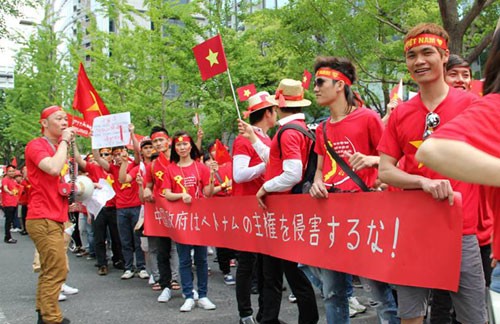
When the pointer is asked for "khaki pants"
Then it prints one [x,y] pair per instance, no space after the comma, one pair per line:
[48,238]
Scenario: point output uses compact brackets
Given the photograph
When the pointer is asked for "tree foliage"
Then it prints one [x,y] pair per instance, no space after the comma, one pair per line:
[149,69]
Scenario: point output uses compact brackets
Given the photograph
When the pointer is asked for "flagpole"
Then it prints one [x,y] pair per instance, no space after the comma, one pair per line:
[234,94]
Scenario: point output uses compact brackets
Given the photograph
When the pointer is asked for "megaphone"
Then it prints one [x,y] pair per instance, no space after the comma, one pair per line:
[84,187]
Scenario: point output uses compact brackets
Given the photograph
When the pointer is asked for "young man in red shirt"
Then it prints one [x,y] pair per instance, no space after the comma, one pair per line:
[412,122]
[46,158]
[467,147]
[128,206]
[10,197]
[285,169]
[248,177]
[104,222]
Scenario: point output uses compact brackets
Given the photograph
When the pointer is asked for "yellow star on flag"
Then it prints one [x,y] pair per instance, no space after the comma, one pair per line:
[212,57]
[246,93]
[304,79]
[417,145]
[95,106]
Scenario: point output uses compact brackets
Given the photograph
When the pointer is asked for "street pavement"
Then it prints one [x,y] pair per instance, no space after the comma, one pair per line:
[108,299]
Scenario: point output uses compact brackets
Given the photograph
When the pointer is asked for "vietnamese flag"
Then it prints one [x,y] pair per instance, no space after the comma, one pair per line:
[246,91]
[210,57]
[221,154]
[86,99]
[14,162]
[397,92]
[306,79]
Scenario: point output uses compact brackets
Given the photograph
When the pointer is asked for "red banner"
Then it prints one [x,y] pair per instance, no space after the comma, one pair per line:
[404,238]
[82,128]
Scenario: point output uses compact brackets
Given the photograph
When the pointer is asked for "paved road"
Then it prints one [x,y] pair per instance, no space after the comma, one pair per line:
[108,299]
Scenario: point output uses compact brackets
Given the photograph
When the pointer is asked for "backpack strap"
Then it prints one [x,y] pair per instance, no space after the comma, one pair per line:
[297,128]
[342,163]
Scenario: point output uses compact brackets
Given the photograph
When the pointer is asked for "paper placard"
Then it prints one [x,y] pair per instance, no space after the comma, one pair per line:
[111,130]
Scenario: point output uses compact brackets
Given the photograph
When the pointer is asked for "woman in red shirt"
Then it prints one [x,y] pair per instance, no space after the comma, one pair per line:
[187,179]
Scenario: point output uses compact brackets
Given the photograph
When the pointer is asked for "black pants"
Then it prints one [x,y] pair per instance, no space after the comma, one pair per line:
[24,213]
[106,219]
[273,269]
[248,264]
[485,257]
[224,256]
[73,217]
[10,213]
[164,245]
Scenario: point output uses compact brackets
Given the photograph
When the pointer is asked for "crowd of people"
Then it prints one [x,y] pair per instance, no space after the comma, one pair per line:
[381,154]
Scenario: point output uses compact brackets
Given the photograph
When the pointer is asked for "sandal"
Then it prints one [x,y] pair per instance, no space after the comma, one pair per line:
[156,286]
[174,285]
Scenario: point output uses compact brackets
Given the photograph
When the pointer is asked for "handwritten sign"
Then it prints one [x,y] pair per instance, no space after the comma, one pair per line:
[404,238]
[111,130]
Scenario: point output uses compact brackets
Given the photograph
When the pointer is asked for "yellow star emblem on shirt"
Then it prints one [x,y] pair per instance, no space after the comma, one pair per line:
[417,145]
[212,57]
[110,180]
[246,93]
[125,185]
[159,175]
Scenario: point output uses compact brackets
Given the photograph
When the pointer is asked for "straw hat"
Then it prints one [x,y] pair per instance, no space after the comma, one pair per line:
[257,102]
[290,93]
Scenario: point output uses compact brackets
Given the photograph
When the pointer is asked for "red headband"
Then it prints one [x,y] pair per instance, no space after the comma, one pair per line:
[159,135]
[333,75]
[49,111]
[182,138]
[425,39]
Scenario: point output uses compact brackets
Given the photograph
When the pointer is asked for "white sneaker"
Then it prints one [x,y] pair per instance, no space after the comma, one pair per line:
[292,299]
[206,304]
[151,280]
[164,296]
[352,312]
[188,305]
[195,295]
[355,305]
[127,274]
[143,274]
[65,289]
[210,250]
[62,297]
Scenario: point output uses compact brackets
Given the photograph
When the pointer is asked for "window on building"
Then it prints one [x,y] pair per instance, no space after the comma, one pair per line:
[111,26]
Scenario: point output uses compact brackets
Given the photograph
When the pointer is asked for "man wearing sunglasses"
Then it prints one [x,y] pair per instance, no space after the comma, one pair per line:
[437,103]
[106,219]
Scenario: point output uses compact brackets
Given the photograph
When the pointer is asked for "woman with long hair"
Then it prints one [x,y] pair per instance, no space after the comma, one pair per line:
[189,179]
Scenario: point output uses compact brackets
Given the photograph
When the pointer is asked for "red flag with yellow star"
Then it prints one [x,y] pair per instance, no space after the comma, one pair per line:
[210,57]
[397,92]
[221,154]
[86,99]
[306,79]
[246,91]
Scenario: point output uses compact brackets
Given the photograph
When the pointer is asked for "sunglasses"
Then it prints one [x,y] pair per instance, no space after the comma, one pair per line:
[105,154]
[432,121]
[319,82]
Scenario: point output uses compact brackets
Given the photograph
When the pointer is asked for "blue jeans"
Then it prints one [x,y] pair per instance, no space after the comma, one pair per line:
[382,293]
[84,226]
[130,239]
[495,279]
[334,286]
[185,264]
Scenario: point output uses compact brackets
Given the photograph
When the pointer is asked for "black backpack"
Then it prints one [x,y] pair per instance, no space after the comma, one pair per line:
[312,158]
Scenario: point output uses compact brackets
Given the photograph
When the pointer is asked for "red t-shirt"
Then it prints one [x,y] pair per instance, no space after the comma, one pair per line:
[96,172]
[225,173]
[403,135]
[156,172]
[191,179]
[45,200]
[242,146]
[294,146]
[360,132]
[25,193]
[9,200]
[127,194]
[478,126]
